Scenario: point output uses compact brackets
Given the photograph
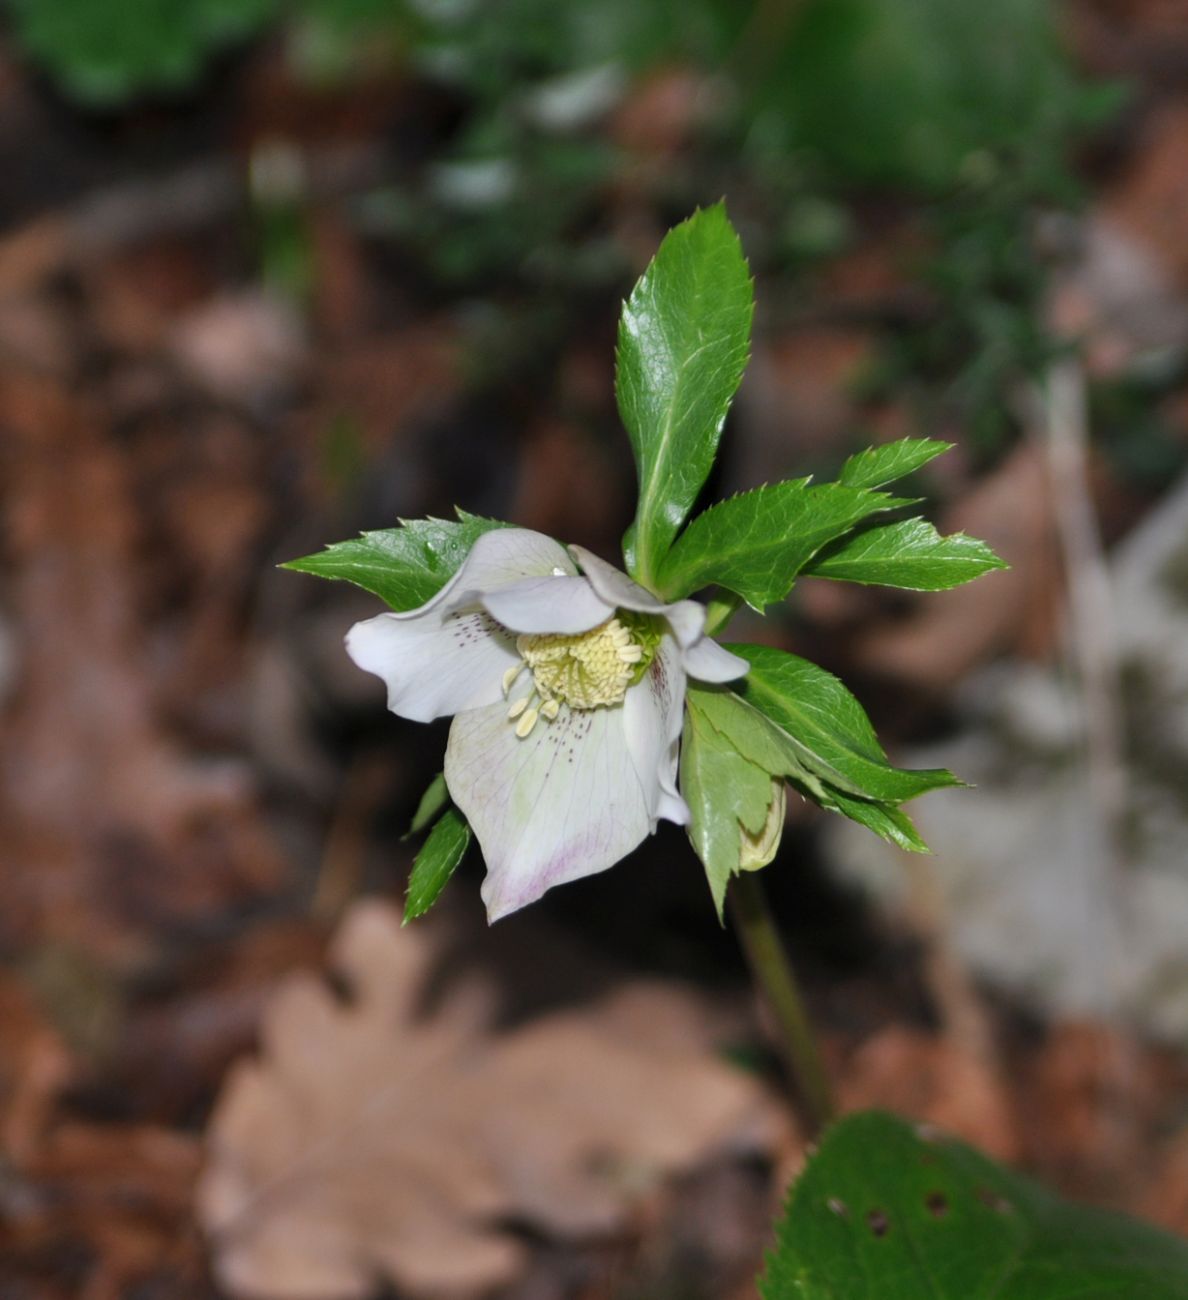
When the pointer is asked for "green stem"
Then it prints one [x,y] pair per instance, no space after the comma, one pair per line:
[720,611]
[772,971]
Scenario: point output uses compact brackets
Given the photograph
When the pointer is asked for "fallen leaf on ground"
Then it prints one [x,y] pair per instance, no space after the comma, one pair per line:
[370,1144]
[112,826]
[928,1078]
[98,1209]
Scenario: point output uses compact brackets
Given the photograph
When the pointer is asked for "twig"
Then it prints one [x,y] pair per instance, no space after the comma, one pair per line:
[1093,650]
[1094,647]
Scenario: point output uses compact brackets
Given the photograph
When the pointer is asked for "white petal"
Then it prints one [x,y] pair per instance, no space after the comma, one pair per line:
[614,586]
[562,803]
[708,662]
[502,556]
[434,663]
[555,604]
[687,620]
[653,717]
[685,617]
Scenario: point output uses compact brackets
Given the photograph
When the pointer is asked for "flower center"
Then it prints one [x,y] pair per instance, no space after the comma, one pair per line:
[585,670]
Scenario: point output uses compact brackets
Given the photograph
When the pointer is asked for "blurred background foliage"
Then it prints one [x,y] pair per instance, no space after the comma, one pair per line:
[957,118]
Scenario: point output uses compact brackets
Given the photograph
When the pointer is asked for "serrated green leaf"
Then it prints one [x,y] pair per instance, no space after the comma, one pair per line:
[757,542]
[763,743]
[886,820]
[436,863]
[836,736]
[889,461]
[403,566]
[683,344]
[725,792]
[435,798]
[884,1211]
[754,735]
[910,554]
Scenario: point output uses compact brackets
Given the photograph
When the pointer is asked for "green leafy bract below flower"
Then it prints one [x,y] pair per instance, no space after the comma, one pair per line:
[403,566]
[436,863]
[730,754]
[830,729]
[757,542]
[683,344]
[431,805]
[910,555]
[726,793]
[923,1215]
[885,819]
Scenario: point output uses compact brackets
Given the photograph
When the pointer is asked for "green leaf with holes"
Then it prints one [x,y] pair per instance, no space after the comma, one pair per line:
[436,863]
[403,566]
[884,1211]
[757,542]
[684,337]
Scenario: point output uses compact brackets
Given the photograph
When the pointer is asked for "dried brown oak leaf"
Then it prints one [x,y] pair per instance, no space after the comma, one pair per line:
[370,1142]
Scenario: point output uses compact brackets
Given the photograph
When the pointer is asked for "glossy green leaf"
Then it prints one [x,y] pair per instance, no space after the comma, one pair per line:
[430,807]
[889,461]
[757,542]
[817,711]
[885,819]
[885,1211]
[755,736]
[683,343]
[403,566]
[911,554]
[436,862]
[725,792]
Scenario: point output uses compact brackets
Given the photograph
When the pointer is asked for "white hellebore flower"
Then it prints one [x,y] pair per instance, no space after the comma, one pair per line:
[567,692]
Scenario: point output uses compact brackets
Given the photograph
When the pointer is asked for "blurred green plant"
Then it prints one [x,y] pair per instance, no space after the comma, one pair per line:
[919,94]
[104,52]
[966,114]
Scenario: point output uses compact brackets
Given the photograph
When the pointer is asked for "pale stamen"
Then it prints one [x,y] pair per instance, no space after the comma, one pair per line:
[527,722]
[584,670]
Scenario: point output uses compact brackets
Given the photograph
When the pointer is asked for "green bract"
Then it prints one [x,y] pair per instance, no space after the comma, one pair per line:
[435,864]
[684,338]
[829,728]
[403,566]
[910,554]
[756,543]
[877,466]
[726,793]
[885,1211]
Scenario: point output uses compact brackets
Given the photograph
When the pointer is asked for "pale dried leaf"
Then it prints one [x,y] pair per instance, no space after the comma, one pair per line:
[369,1142]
